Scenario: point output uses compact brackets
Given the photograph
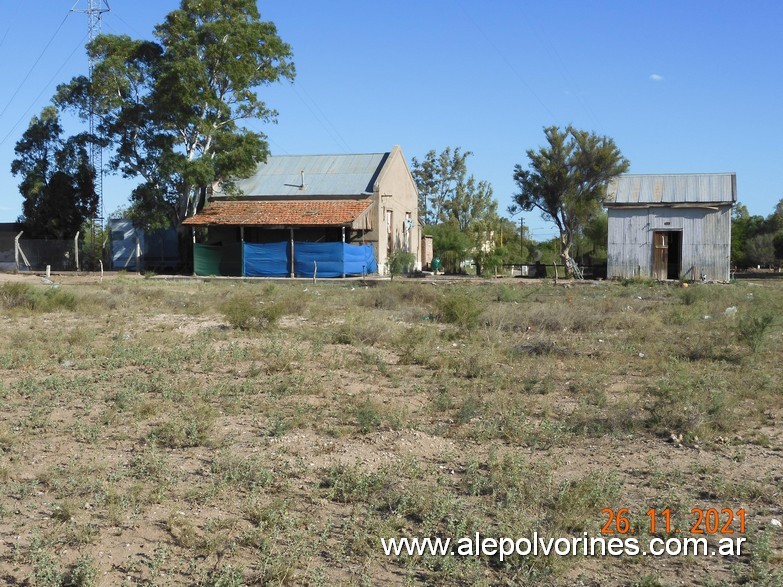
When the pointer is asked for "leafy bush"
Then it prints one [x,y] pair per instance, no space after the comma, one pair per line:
[400,262]
[460,309]
[192,428]
[753,329]
[245,312]
[22,295]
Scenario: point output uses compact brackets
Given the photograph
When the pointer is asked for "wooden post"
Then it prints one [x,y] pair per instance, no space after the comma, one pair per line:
[242,243]
[16,249]
[18,252]
[292,252]
[138,255]
[193,235]
[76,249]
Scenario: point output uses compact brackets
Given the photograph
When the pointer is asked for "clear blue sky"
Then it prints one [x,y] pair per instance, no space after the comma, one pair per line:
[681,86]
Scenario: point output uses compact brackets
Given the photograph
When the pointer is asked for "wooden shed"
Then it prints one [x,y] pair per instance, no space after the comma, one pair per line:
[674,226]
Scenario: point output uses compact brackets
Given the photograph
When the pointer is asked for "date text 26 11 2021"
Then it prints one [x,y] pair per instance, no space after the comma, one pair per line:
[702,521]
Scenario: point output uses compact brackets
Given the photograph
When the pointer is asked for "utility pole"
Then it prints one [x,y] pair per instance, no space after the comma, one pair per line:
[94,9]
[521,237]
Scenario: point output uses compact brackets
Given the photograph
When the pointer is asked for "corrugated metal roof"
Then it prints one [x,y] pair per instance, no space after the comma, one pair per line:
[684,188]
[324,175]
[273,213]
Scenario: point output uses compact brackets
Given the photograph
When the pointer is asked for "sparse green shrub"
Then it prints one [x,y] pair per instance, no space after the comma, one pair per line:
[190,428]
[23,295]
[361,330]
[241,472]
[245,312]
[15,294]
[693,405]
[84,573]
[400,262]
[460,309]
[752,329]
[346,484]
[368,417]
[225,576]
[46,571]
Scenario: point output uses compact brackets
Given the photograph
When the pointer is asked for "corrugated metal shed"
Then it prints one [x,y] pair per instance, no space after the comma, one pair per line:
[314,175]
[686,188]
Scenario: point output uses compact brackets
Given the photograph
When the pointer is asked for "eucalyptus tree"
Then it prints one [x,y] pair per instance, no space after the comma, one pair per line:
[174,110]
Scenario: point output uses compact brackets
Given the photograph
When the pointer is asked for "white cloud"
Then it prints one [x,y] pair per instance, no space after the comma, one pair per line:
[656,77]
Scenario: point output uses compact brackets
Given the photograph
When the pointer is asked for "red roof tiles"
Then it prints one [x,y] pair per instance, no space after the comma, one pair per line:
[282,213]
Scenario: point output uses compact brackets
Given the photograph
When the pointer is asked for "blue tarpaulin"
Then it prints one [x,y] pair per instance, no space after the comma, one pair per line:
[329,257]
[267,260]
[332,259]
[359,260]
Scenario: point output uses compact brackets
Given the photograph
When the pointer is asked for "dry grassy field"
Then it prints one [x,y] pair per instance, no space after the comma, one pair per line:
[226,433]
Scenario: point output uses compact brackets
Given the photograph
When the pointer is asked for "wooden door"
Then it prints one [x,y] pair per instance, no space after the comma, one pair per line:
[660,255]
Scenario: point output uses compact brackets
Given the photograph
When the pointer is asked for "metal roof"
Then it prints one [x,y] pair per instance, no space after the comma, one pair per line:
[314,175]
[684,188]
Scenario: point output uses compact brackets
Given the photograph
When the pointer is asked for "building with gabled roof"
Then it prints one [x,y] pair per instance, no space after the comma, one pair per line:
[361,207]
[672,226]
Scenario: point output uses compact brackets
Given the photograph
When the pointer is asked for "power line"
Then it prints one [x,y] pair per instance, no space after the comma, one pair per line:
[10,22]
[30,71]
[323,120]
[48,84]
[508,63]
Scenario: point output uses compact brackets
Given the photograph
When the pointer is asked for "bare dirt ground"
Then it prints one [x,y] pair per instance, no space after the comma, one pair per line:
[189,433]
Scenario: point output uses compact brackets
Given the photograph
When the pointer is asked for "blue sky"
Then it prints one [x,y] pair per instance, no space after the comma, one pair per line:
[681,86]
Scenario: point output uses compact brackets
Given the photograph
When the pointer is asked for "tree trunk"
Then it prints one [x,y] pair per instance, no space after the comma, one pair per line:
[565,253]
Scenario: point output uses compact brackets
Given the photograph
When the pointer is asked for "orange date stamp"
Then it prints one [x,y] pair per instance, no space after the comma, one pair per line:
[702,521]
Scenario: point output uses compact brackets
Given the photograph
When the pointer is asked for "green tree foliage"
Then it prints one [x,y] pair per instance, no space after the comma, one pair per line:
[58,182]
[591,243]
[450,244]
[437,179]
[566,180]
[459,211]
[743,228]
[171,109]
[756,240]
[760,250]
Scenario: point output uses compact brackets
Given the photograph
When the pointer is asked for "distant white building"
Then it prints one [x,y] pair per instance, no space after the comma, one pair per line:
[671,226]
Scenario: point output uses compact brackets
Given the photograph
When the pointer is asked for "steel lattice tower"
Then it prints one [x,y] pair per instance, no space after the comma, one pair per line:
[94,9]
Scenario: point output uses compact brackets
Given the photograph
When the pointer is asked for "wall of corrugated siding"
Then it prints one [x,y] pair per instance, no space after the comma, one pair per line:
[706,240]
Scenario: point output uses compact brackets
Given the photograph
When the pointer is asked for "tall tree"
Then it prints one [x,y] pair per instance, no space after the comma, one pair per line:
[172,108]
[566,180]
[438,178]
[460,211]
[744,228]
[58,182]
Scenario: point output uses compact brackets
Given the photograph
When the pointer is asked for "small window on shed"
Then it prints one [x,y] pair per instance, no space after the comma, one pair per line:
[118,235]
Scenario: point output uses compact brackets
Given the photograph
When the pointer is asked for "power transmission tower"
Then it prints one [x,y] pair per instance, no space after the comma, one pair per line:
[94,9]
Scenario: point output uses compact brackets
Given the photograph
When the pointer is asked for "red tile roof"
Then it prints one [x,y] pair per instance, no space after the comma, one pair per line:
[283,213]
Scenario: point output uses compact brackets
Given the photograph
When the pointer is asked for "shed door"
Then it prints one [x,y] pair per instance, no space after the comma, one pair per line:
[660,255]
